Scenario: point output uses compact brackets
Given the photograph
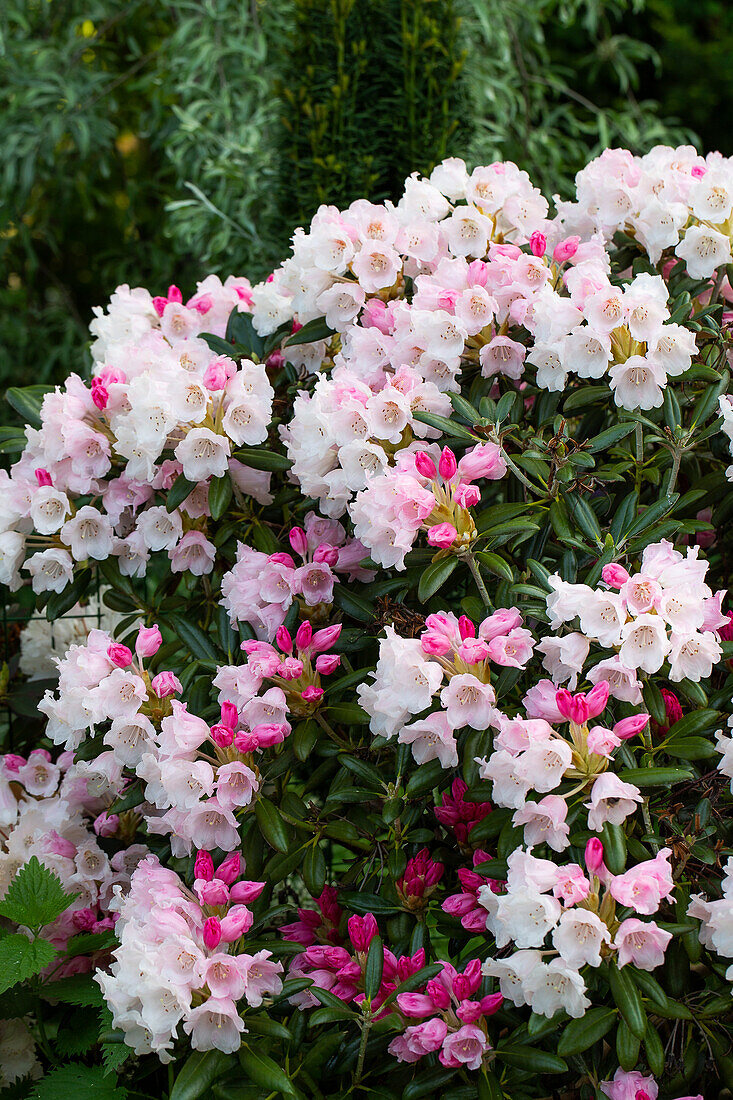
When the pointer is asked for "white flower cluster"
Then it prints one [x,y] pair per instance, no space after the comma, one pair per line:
[160,403]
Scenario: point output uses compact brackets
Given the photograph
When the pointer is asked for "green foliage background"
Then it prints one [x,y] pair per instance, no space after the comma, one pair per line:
[147,141]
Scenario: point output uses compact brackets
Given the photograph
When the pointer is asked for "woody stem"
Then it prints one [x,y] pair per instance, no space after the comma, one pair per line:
[473,566]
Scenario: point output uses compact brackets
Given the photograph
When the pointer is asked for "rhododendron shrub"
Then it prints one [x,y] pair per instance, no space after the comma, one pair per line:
[403,764]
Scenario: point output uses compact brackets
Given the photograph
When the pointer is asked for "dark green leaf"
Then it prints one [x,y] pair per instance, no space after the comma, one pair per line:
[198,1074]
[434,577]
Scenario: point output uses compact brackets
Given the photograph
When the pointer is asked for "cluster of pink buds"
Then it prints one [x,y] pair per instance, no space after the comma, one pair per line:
[417,884]
[296,665]
[466,906]
[339,967]
[452,1019]
[459,815]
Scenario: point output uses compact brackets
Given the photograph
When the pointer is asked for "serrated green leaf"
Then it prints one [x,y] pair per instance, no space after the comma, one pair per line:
[21,958]
[78,1082]
[35,896]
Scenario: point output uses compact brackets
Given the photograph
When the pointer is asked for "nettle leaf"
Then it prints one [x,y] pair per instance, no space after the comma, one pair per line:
[78,1082]
[21,958]
[35,897]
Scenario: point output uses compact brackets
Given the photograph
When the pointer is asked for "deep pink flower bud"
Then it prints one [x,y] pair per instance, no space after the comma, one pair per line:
[202,303]
[221,735]
[597,698]
[491,1003]
[43,477]
[106,824]
[281,558]
[425,465]
[467,496]
[212,932]
[628,727]
[246,892]
[416,1005]
[84,919]
[119,655]
[594,858]
[100,394]
[571,706]
[447,465]
[13,762]
[466,984]
[438,994]
[230,868]
[218,373]
[174,294]
[304,635]
[237,921]
[566,249]
[672,706]
[165,684]
[229,714]
[362,931]
[311,693]
[327,663]
[326,553]
[284,640]
[264,736]
[299,541]
[442,535]
[466,627]
[159,304]
[203,866]
[323,639]
[538,243]
[215,892]
[615,575]
[148,641]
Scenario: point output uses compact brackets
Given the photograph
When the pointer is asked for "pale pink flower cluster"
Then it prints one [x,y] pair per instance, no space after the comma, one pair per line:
[530,755]
[665,612]
[634,1085]
[667,199]
[102,681]
[57,811]
[716,918]
[260,588]
[452,1022]
[425,490]
[347,258]
[160,403]
[575,909]
[180,960]
[445,671]
[348,429]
